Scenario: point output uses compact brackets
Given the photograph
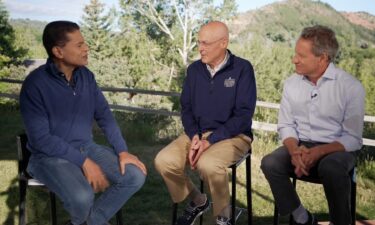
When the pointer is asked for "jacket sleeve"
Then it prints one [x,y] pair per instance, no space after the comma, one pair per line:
[107,122]
[243,111]
[188,120]
[37,127]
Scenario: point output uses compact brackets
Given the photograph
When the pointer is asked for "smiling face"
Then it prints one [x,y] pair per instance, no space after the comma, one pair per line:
[75,51]
[212,43]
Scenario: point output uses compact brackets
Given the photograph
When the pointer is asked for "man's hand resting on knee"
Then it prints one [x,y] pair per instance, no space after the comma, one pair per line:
[94,175]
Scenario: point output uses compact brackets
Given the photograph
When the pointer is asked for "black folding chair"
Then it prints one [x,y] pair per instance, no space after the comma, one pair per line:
[233,198]
[25,181]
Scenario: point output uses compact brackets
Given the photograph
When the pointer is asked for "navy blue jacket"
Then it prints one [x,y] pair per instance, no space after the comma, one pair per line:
[223,104]
[59,116]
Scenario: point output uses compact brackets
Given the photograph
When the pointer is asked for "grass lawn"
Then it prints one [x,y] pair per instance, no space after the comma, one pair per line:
[152,204]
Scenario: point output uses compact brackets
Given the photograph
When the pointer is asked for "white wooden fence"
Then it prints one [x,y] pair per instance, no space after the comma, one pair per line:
[257,125]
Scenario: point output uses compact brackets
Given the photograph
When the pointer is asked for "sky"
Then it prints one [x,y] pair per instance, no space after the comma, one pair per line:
[49,10]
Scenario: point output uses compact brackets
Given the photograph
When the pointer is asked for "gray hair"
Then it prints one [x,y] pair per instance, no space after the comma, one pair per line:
[323,40]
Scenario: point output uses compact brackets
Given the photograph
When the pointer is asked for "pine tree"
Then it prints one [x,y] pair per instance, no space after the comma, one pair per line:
[96,28]
[9,53]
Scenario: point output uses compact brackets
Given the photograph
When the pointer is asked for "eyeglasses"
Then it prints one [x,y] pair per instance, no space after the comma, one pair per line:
[207,44]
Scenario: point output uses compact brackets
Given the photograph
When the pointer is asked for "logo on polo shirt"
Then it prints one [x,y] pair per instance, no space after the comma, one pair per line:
[229,82]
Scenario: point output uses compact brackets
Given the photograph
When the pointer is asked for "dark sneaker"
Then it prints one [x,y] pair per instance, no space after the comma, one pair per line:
[192,212]
[220,220]
[311,221]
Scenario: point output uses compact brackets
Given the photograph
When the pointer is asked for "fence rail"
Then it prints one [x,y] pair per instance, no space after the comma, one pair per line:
[257,125]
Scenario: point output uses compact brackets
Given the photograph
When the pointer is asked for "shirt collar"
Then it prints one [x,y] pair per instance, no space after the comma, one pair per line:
[54,70]
[328,74]
[213,71]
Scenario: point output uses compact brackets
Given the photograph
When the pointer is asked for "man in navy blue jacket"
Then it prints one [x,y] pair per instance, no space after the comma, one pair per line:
[218,101]
[59,103]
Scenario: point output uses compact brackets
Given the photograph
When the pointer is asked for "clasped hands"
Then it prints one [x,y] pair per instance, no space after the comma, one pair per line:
[197,147]
[303,159]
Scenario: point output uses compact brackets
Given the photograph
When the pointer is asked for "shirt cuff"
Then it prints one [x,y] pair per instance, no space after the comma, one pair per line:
[121,147]
[287,132]
[350,143]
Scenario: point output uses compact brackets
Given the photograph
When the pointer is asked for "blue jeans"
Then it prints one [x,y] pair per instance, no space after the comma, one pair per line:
[68,182]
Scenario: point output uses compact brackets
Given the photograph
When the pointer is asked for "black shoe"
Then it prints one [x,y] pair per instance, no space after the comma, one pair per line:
[311,221]
[220,220]
[192,212]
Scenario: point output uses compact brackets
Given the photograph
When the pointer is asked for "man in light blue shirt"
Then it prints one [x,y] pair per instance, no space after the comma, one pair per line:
[320,125]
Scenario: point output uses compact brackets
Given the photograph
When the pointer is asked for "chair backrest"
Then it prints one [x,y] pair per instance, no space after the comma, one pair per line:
[23,154]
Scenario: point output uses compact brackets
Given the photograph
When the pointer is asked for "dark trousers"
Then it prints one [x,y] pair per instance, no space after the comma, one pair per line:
[333,170]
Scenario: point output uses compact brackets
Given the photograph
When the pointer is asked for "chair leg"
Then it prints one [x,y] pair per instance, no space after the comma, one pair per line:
[53,207]
[275,216]
[353,196]
[202,191]
[174,213]
[22,208]
[119,217]
[234,174]
[248,192]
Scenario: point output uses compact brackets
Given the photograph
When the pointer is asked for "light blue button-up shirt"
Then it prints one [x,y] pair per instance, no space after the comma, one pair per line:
[332,110]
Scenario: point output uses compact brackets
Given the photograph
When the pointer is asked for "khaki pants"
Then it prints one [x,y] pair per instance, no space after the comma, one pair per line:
[212,166]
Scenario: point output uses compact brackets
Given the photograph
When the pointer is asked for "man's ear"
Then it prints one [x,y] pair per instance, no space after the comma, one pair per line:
[225,43]
[324,57]
[57,52]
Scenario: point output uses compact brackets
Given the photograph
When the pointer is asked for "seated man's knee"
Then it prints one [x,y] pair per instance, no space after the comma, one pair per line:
[207,167]
[165,163]
[269,163]
[159,162]
[133,175]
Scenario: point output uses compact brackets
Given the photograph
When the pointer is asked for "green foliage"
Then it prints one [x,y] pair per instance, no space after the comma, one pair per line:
[9,53]
[96,28]
[28,35]
[360,63]
[225,12]
[136,127]
[272,65]
[173,25]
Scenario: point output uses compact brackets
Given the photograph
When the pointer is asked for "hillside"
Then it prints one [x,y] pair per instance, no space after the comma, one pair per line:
[283,22]
[361,18]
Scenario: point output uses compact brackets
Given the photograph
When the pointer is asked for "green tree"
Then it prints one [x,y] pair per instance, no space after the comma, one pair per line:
[176,21]
[96,28]
[9,53]
[28,35]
